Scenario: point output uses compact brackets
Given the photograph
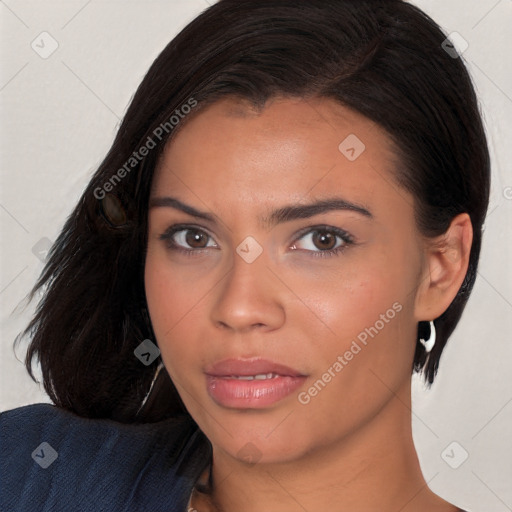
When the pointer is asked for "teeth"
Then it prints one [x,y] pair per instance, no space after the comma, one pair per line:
[261,376]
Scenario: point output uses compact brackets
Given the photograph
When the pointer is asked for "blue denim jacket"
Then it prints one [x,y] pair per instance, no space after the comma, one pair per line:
[54,461]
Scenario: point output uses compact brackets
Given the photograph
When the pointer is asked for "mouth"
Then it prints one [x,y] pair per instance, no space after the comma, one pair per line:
[261,376]
[251,383]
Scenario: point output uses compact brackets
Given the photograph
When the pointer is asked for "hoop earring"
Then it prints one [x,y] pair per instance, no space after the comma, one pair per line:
[157,372]
[430,342]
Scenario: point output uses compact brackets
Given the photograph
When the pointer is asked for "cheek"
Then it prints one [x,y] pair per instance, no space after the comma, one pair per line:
[361,339]
[174,301]
[352,297]
[363,312]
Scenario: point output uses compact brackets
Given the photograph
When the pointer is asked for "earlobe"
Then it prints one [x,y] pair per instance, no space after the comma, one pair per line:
[446,265]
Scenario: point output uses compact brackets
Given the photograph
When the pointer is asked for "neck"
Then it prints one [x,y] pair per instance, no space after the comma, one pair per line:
[373,468]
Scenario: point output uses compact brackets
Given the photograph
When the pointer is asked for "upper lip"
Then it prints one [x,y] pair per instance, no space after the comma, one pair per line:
[252,366]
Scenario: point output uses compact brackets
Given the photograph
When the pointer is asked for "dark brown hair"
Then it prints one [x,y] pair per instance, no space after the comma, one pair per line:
[383,59]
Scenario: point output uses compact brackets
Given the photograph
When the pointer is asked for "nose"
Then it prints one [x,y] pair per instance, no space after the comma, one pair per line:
[249,297]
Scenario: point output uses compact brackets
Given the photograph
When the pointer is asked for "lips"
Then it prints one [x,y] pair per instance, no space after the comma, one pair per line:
[250,367]
[251,383]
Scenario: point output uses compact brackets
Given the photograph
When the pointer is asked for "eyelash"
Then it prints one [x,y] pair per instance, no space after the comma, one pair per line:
[167,237]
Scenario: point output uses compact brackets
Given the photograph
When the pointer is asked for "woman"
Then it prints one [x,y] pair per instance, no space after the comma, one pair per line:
[286,226]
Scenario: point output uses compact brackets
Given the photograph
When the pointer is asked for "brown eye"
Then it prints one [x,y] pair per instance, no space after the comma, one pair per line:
[196,239]
[187,238]
[324,240]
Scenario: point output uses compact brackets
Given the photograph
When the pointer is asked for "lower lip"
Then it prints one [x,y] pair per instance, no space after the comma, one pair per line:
[251,394]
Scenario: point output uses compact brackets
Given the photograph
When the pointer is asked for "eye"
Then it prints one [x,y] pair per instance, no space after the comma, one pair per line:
[187,238]
[323,241]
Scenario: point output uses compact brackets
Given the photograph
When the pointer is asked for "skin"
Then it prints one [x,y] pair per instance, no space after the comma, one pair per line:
[296,308]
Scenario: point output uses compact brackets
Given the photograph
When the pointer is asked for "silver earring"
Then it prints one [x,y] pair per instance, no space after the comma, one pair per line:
[157,372]
[429,344]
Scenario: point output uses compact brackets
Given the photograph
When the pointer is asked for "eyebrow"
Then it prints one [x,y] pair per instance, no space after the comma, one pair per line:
[278,216]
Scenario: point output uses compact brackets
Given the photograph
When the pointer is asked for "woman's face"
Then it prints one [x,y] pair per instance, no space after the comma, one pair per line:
[245,276]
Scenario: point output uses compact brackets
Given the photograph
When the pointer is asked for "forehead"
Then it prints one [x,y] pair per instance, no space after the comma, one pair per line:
[290,150]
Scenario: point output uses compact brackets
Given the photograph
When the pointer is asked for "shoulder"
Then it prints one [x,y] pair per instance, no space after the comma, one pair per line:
[55,460]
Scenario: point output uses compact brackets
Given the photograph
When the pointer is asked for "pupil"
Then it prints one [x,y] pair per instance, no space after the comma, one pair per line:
[324,240]
[194,238]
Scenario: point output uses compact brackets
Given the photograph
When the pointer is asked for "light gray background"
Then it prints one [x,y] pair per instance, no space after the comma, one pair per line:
[59,117]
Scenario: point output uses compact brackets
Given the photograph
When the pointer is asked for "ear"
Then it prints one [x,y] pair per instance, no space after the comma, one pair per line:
[445,265]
